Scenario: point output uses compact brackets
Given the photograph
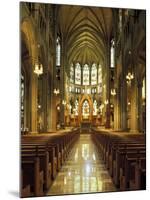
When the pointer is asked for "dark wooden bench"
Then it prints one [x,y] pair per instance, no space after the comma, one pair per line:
[41,158]
[127,173]
[115,148]
[41,152]
[32,175]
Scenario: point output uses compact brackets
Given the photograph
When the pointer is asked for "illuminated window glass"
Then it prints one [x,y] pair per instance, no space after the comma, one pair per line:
[22,101]
[95,107]
[86,75]
[70,88]
[79,90]
[78,74]
[85,109]
[100,74]
[112,54]
[88,90]
[71,73]
[76,107]
[120,20]
[58,52]
[83,91]
[99,89]
[94,74]
[143,90]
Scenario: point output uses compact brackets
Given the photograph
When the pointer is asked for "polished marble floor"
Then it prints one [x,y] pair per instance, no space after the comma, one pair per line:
[83,171]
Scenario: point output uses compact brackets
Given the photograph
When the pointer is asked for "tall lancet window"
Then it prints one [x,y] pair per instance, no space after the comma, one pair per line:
[71,74]
[85,109]
[86,75]
[99,88]
[100,74]
[78,74]
[94,74]
[22,100]
[120,20]
[58,50]
[76,107]
[112,54]
[95,107]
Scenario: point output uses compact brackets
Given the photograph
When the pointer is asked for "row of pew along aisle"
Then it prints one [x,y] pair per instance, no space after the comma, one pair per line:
[42,156]
[125,157]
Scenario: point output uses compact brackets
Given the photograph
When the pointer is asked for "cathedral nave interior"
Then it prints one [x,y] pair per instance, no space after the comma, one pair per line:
[83,99]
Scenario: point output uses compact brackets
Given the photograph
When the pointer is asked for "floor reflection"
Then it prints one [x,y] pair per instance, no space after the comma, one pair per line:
[83,172]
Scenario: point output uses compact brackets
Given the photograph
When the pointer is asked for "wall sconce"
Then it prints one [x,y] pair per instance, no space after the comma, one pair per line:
[38,68]
[113,92]
[58,108]
[106,102]
[56,91]
[39,106]
[111,105]
[129,103]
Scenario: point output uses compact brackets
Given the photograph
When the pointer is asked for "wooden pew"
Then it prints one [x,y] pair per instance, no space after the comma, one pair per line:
[120,161]
[45,165]
[128,172]
[44,162]
[32,175]
[114,148]
[124,146]
[53,153]
[139,180]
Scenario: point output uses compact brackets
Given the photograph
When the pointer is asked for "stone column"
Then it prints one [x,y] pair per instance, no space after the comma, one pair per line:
[33,98]
[62,83]
[134,107]
[107,115]
[52,100]
[117,111]
[140,120]
[123,105]
[44,104]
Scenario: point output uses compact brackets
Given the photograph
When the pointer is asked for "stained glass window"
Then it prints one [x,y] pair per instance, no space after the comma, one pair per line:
[58,51]
[99,89]
[94,74]
[120,20]
[71,73]
[76,107]
[100,74]
[143,90]
[22,101]
[95,107]
[112,54]
[85,109]
[86,75]
[78,74]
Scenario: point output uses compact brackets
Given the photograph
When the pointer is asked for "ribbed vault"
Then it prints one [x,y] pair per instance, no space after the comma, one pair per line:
[85,32]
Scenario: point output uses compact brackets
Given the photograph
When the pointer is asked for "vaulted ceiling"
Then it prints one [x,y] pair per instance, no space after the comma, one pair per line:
[85,31]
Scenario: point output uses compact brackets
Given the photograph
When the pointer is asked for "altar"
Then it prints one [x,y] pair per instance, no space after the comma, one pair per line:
[85,127]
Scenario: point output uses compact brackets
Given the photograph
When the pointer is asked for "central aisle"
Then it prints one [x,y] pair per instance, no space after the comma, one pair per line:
[83,171]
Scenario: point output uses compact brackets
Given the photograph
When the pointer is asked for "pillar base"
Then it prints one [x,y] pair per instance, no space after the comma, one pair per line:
[51,130]
[34,132]
[134,131]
